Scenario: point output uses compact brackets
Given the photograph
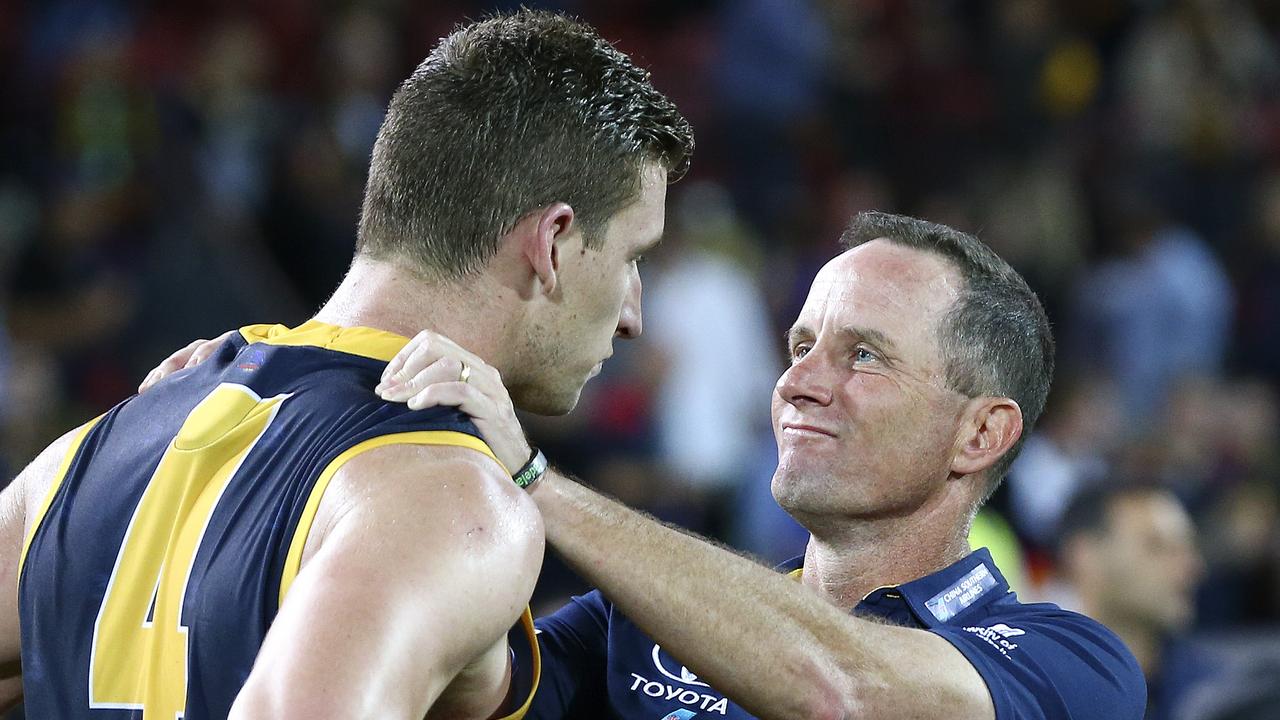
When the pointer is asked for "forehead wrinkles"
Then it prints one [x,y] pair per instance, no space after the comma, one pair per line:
[901,288]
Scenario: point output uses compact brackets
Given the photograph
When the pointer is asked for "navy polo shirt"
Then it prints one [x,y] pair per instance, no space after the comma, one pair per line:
[1038,660]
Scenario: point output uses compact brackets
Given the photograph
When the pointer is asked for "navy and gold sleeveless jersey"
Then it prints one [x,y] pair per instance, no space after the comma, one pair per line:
[176,522]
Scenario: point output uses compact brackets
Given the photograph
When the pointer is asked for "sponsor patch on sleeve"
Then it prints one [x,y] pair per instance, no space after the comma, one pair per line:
[999,636]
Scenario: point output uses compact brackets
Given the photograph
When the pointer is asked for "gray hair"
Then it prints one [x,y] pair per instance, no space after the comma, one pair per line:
[995,340]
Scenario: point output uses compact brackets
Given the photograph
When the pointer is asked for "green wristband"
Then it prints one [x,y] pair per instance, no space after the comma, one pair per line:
[532,470]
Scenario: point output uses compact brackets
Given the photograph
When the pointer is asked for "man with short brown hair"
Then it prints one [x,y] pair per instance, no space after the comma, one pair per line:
[918,363]
[264,537]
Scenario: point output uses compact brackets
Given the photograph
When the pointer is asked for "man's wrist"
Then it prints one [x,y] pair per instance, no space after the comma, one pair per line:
[532,471]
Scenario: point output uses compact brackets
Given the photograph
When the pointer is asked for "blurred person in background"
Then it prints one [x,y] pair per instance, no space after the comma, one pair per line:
[1069,451]
[1160,310]
[1129,552]
[709,325]
[1258,276]
[773,54]
[1251,694]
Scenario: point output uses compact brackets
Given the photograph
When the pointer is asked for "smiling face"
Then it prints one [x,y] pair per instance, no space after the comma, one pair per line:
[865,422]
[599,299]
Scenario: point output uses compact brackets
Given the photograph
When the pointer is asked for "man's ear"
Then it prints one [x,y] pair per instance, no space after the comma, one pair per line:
[540,235]
[990,428]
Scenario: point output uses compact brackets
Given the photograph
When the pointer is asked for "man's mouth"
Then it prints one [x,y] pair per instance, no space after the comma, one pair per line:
[806,429]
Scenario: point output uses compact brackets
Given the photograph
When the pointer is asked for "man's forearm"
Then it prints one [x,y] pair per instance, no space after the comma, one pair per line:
[773,647]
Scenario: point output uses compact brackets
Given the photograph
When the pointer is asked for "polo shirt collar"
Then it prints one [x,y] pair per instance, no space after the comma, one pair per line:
[940,598]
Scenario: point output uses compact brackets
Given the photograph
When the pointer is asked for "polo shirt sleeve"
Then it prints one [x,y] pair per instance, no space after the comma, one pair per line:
[1052,666]
[573,642]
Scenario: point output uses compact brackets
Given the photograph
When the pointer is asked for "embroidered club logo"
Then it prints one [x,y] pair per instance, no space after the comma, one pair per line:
[680,714]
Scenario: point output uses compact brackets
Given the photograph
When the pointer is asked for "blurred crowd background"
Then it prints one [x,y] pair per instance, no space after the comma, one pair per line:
[171,170]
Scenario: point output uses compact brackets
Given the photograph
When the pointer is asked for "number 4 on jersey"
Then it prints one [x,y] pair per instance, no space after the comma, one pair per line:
[139,657]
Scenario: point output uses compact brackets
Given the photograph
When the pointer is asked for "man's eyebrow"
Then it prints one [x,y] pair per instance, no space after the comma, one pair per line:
[795,334]
[870,335]
[798,333]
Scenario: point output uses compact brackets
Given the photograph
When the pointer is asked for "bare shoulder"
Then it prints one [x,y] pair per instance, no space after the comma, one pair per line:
[449,497]
[419,560]
[24,495]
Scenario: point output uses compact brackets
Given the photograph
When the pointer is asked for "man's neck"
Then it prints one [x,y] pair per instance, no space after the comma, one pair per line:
[847,563]
[386,296]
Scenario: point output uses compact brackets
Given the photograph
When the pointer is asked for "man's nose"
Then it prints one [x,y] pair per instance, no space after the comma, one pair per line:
[630,320]
[808,380]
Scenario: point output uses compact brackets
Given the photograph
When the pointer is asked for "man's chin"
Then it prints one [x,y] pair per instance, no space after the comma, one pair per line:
[791,495]
[545,402]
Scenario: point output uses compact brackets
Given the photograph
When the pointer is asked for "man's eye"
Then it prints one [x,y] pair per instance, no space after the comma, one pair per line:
[799,351]
[863,355]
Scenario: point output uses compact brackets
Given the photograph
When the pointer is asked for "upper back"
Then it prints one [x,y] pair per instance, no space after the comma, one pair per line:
[164,544]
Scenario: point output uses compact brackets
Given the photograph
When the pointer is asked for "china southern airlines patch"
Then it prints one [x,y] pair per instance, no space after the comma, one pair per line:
[953,601]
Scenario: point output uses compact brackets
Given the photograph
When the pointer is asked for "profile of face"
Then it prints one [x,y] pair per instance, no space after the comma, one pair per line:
[1146,562]
[865,422]
[596,298]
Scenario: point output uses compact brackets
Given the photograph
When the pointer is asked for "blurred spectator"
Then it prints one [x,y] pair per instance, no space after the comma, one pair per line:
[1160,310]
[770,80]
[1130,554]
[240,118]
[1250,695]
[1259,278]
[708,321]
[1069,451]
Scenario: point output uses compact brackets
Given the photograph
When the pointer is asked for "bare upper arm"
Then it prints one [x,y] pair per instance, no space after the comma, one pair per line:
[425,557]
[913,673]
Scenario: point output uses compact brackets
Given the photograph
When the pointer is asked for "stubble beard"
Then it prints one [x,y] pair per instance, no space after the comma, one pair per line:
[540,383]
[539,399]
[800,494]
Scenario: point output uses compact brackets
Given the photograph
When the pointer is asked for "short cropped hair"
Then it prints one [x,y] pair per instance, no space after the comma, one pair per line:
[1089,510]
[506,116]
[995,339]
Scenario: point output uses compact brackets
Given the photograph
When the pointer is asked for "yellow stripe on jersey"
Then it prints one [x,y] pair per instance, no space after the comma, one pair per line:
[58,477]
[362,341]
[293,561]
[531,634]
